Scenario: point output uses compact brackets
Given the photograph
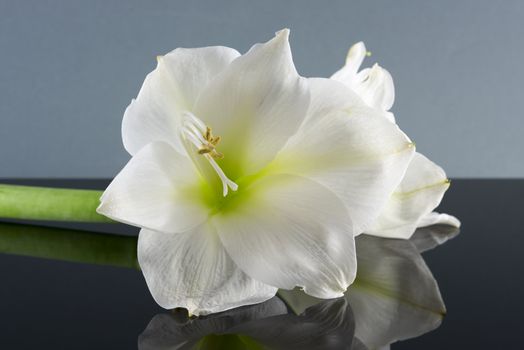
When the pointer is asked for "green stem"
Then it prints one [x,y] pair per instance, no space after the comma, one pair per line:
[56,204]
[68,245]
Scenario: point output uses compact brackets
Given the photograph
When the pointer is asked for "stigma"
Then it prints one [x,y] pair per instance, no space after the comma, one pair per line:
[201,136]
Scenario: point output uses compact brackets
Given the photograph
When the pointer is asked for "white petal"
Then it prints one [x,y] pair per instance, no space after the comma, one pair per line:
[155,190]
[193,270]
[255,105]
[354,59]
[172,87]
[327,97]
[375,86]
[435,218]
[357,153]
[420,191]
[290,231]
[395,296]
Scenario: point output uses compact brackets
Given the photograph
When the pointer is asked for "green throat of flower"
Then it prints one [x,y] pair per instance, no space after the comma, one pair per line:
[202,147]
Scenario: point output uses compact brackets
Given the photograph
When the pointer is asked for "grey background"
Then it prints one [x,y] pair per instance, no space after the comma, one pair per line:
[69,68]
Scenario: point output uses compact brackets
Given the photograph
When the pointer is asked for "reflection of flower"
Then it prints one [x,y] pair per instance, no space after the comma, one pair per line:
[177,331]
[246,177]
[394,296]
[424,184]
[327,325]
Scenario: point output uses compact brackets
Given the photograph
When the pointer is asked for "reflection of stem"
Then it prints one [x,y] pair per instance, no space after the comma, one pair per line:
[40,203]
[68,245]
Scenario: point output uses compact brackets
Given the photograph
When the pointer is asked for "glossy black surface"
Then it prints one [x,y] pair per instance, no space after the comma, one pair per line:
[51,304]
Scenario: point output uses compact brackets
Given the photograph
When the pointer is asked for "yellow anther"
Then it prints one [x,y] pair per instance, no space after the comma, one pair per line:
[212,142]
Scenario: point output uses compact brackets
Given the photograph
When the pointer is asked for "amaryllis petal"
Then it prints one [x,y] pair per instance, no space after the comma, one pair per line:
[355,57]
[193,270]
[435,218]
[155,190]
[420,191]
[289,231]
[171,88]
[352,150]
[328,97]
[374,85]
[255,105]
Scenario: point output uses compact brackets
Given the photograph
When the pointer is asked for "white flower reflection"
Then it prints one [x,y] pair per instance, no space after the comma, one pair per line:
[395,297]
[269,325]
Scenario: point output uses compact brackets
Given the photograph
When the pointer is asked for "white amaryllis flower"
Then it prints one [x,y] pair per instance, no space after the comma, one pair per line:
[424,184]
[246,177]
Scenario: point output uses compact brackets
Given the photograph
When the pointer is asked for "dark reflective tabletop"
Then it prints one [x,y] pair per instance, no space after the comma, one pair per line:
[52,304]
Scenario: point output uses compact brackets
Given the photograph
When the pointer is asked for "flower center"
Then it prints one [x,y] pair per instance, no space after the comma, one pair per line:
[201,136]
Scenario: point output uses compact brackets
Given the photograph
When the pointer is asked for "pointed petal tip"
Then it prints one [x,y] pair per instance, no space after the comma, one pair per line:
[283,34]
[453,221]
[360,46]
[332,294]
[104,209]
[357,50]
[100,209]
[281,38]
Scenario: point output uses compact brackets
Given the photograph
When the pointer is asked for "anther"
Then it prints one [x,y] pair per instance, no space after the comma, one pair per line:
[210,145]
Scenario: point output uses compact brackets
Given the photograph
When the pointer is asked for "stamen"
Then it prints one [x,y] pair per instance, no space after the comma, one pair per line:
[201,136]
